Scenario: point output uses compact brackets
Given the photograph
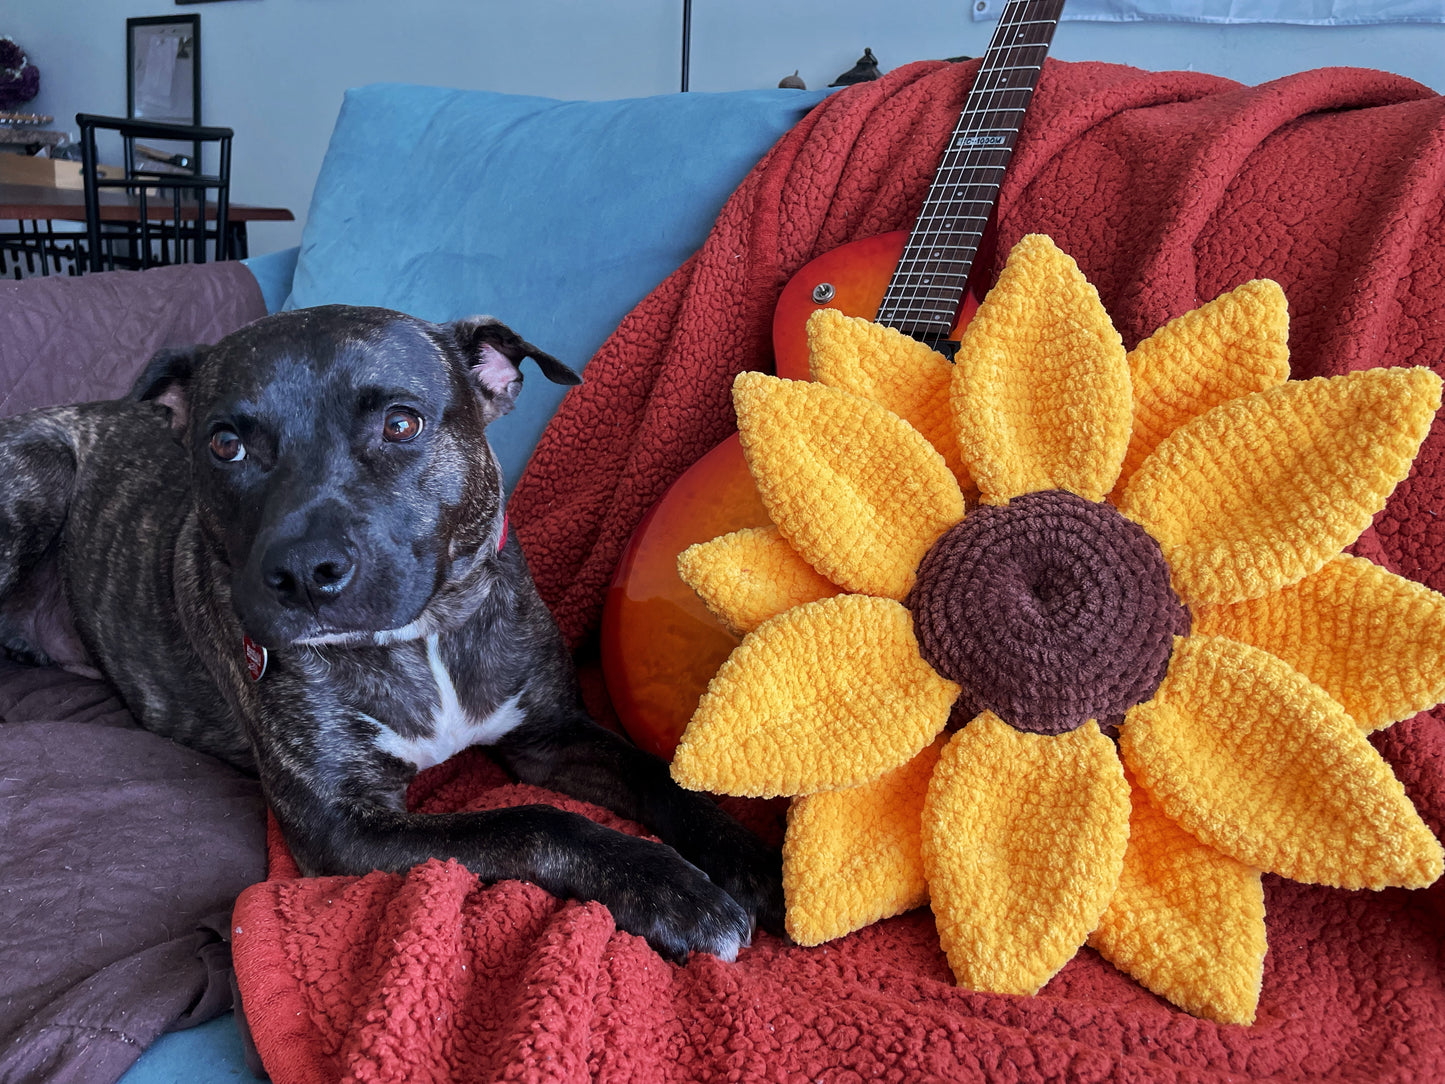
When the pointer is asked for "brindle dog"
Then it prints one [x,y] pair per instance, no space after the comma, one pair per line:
[290,550]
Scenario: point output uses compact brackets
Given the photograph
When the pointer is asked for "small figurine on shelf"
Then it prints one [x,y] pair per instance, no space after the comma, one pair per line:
[861,72]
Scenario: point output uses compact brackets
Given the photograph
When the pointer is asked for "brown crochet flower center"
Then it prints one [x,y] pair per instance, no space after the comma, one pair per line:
[1049,611]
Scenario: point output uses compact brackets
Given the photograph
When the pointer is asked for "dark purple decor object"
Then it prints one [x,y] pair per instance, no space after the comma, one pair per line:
[1049,611]
[19,79]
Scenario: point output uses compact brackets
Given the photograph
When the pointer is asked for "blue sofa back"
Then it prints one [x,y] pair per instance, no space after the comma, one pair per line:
[555,217]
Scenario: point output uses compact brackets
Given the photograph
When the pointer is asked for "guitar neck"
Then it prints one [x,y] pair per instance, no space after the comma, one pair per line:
[924,295]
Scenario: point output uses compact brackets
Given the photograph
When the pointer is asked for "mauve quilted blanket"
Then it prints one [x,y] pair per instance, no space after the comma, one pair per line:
[120,852]
[1168,189]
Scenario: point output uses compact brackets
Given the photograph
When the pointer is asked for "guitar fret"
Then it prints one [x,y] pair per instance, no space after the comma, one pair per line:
[952,206]
[928,276]
[927,246]
[931,236]
[1003,110]
[921,330]
[971,174]
[924,332]
[934,287]
[957,254]
[959,218]
[933,240]
[1021,87]
[942,313]
[954,192]
[945,307]
[996,168]
[952,187]
[949,210]
[979,92]
[925,293]
[928,292]
[932,281]
[943,209]
[935,231]
[918,316]
[935,279]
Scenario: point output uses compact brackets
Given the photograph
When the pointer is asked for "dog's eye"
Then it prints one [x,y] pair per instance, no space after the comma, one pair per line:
[227,447]
[400,425]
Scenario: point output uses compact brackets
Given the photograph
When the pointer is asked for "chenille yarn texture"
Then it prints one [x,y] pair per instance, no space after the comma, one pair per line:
[981,572]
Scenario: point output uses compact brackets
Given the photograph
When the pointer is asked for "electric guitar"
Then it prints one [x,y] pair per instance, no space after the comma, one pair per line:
[660,645]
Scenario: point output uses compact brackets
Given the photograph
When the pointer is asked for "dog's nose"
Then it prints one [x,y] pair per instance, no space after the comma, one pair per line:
[309,572]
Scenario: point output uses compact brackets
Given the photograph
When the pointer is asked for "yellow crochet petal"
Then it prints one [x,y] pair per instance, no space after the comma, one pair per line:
[828,695]
[1023,841]
[1373,640]
[1186,921]
[750,575]
[1235,345]
[1040,390]
[853,488]
[1254,759]
[893,370]
[852,857]
[1263,490]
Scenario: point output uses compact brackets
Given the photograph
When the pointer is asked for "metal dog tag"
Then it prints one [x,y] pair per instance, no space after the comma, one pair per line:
[256,657]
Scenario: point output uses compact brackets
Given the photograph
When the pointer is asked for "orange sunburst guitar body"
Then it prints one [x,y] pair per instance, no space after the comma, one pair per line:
[660,645]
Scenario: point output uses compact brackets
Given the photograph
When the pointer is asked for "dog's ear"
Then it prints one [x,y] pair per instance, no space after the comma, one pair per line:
[494,354]
[165,380]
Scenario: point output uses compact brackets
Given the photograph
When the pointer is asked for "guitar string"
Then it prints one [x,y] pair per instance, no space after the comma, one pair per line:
[934,293]
[991,82]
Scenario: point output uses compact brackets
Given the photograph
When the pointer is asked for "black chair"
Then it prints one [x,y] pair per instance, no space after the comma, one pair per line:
[170,193]
[37,247]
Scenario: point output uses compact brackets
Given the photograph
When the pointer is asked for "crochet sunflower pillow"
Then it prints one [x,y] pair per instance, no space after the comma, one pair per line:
[1060,640]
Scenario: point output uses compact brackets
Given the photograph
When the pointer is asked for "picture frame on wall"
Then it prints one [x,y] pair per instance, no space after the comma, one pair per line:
[163,68]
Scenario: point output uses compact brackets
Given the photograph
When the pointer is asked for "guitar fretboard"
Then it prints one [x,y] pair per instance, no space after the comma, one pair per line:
[926,290]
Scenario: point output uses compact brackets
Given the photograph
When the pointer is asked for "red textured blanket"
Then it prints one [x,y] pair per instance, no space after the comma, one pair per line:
[1168,189]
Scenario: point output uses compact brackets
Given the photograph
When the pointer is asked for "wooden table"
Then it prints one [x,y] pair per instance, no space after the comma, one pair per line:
[39,203]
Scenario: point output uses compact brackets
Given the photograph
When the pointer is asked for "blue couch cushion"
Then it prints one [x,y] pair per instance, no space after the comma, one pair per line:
[274,274]
[555,217]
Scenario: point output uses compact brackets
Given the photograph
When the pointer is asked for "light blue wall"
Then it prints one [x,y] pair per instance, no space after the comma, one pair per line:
[275,69]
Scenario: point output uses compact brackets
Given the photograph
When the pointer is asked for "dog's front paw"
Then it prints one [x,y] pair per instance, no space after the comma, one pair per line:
[676,907]
[751,873]
[740,863]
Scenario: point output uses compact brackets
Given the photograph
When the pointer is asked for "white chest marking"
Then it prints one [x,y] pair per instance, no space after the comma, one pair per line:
[453,728]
